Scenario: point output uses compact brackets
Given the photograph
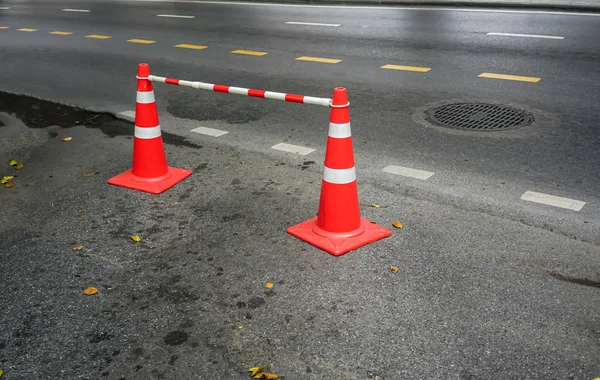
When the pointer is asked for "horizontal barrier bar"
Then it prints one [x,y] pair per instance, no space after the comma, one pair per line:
[326,102]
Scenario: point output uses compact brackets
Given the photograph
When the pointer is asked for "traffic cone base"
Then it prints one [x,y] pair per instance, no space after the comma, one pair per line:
[337,244]
[150,185]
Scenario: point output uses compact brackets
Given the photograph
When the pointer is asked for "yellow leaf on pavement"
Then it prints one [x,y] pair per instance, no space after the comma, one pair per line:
[270,376]
[257,371]
[6,178]
[259,375]
[1,373]
[9,185]
[394,269]
[376,206]
[269,285]
[67,139]
[397,224]
[78,248]
[19,166]
[90,291]
[136,238]
[12,162]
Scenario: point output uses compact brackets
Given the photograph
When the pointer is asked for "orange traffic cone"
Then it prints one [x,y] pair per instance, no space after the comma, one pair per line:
[338,228]
[149,172]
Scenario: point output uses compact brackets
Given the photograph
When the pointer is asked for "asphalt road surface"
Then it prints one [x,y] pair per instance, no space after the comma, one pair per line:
[498,279]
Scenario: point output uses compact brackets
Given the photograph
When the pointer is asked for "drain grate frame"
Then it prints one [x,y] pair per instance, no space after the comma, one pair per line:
[479,117]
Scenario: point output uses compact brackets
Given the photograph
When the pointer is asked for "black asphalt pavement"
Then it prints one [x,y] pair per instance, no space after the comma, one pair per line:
[490,286]
[476,296]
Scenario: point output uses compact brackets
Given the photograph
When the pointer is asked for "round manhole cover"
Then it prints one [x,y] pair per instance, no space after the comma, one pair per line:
[483,117]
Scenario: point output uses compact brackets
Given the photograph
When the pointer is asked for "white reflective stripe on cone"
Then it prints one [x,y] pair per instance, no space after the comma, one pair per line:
[339,131]
[147,132]
[339,176]
[145,97]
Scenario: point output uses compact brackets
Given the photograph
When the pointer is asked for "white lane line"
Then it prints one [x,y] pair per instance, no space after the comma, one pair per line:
[526,35]
[130,114]
[176,16]
[4,8]
[293,149]
[209,131]
[311,23]
[235,3]
[76,10]
[551,200]
[407,172]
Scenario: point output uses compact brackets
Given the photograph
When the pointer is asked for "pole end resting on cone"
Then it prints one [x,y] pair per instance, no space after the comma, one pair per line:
[338,228]
[149,172]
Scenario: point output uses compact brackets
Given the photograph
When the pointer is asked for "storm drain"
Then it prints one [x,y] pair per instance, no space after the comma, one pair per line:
[483,117]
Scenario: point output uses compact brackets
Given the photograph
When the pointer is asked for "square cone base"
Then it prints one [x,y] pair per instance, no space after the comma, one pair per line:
[154,186]
[338,244]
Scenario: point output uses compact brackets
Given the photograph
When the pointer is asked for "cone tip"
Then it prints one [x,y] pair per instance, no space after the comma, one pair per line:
[143,70]
[340,96]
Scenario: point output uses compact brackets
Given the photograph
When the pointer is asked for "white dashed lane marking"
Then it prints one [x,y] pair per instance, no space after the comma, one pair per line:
[407,172]
[551,200]
[129,114]
[176,16]
[4,8]
[526,36]
[303,151]
[209,131]
[76,10]
[311,23]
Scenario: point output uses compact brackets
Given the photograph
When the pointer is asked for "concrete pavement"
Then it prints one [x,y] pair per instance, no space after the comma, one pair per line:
[476,296]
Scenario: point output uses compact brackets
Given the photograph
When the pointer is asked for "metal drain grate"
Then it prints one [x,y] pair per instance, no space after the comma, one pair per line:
[484,117]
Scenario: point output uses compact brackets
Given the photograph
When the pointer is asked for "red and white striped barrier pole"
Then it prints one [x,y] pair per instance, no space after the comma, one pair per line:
[326,102]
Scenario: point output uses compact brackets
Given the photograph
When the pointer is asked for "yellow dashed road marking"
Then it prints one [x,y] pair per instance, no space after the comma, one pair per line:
[27,30]
[317,59]
[249,52]
[98,36]
[407,68]
[58,32]
[3,27]
[509,77]
[136,41]
[188,46]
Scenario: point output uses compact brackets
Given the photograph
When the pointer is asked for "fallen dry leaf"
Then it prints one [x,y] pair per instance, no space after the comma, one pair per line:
[394,269]
[1,373]
[257,371]
[270,376]
[259,375]
[269,166]
[9,185]
[89,174]
[243,162]
[136,238]
[78,248]
[81,211]
[269,285]
[397,224]
[240,326]
[19,166]
[67,139]
[25,184]
[12,162]
[6,178]
[90,291]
